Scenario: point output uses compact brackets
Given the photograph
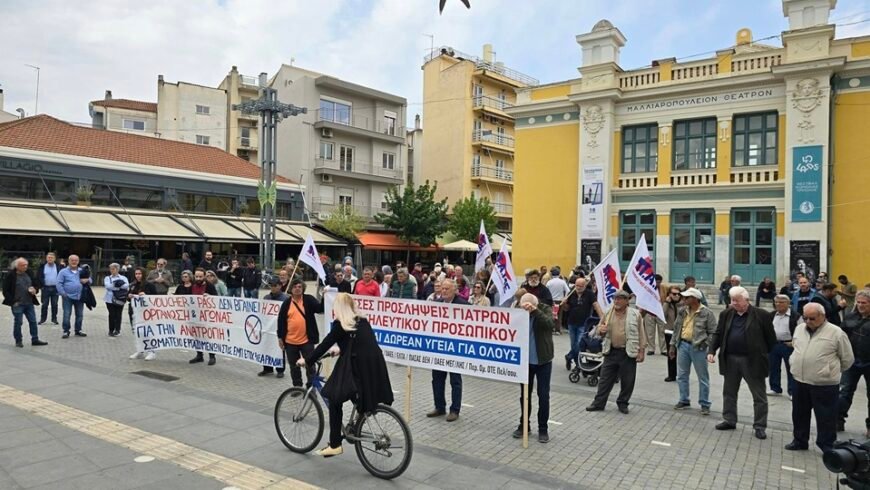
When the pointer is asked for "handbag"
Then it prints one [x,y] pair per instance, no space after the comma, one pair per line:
[341,386]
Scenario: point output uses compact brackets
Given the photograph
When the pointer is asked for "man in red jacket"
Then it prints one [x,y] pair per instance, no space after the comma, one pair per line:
[367,286]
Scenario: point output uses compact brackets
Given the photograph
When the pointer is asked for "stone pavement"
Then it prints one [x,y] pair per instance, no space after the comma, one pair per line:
[226,409]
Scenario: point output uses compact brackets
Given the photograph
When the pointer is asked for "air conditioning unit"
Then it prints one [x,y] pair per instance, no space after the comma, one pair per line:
[326,132]
[326,179]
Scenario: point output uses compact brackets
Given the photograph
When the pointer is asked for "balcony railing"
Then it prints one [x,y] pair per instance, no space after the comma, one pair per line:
[346,118]
[487,136]
[491,102]
[483,65]
[701,70]
[321,205]
[501,208]
[765,174]
[357,167]
[497,173]
[249,81]
[248,142]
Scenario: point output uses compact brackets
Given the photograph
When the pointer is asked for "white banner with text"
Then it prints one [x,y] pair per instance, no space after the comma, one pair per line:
[485,342]
[234,327]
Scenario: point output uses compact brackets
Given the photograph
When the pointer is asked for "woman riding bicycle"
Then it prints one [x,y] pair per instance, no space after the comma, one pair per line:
[357,345]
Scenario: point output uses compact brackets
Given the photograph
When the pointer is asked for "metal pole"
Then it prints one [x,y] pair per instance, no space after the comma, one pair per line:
[36,108]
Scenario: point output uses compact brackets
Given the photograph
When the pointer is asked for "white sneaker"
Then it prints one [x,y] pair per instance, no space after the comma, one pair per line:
[137,355]
[151,356]
[773,393]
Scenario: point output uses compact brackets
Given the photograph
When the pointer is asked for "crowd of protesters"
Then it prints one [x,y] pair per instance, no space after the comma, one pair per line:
[820,331]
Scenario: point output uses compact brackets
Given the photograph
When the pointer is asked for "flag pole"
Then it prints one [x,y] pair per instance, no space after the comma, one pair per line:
[408,397]
[525,415]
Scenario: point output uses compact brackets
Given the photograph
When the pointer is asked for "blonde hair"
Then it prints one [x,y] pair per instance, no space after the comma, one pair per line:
[344,310]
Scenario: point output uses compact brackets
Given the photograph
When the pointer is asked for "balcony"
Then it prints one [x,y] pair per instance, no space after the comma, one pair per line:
[324,207]
[502,209]
[496,71]
[493,141]
[492,106]
[497,175]
[764,174]
[247,143]
[249,82]
[358,170]
[359,126]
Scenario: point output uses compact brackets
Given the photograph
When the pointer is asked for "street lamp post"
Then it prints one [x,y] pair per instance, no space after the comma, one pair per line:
[271,112]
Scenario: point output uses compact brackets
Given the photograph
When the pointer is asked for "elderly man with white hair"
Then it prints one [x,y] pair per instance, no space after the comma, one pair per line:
[822,352]
[735,281]
[19,293]
[744,337]
[540,363]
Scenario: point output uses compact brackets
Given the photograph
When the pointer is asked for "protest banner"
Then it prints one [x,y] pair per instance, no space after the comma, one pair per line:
[234,327]
[485,342]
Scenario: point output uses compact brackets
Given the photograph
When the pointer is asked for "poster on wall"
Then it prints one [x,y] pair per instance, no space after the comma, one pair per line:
[806,192]
[592,204]
[804,259]
[590,254]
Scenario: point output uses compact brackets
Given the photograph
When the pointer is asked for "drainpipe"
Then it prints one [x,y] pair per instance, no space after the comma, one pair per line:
[831,127]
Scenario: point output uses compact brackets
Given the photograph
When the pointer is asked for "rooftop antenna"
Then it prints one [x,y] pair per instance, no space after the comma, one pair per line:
[36,108]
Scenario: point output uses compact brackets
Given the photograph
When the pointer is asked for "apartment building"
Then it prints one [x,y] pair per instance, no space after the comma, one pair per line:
[469,147]
[415,151]
[242,135]
[750,162]
[348,149]
[124,115]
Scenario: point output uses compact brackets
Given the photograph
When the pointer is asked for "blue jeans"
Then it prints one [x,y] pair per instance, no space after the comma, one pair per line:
[234,292]
[49,295]
[68,306]
[20,311]
[575,332]
[780,353]
[438,381]
[688,356]
[251,293]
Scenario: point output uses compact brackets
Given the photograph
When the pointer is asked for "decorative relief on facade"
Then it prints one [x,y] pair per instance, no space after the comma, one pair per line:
[593,123]
[724,132]
[806,98]
[665,135]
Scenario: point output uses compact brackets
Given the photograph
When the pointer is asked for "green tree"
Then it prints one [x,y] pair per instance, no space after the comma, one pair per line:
[414,215]
[466,217]
[345,222]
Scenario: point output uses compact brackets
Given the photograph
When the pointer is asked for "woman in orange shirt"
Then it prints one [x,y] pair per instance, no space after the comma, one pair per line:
[297,329]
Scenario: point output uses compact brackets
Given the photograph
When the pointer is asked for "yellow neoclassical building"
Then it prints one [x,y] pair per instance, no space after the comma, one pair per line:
[752,162]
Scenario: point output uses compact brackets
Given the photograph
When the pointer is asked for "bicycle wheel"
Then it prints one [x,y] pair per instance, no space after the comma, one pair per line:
[299,419]
[384,446]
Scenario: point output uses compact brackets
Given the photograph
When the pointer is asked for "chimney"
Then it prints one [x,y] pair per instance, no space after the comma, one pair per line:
[1,99]
[159,80]
[487,53]
[108,95]
[416,118]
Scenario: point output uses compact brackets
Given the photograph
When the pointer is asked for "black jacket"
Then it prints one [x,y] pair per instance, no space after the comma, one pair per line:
[187,290]
[832,310]
[234,277]
[760,338]
[9,288]
[311,307]
[858,329]
[40,274]
[541,291]
[368,365]
[251,278]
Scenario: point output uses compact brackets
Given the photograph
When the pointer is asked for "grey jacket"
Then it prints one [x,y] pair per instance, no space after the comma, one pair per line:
[635,336]
[703,329]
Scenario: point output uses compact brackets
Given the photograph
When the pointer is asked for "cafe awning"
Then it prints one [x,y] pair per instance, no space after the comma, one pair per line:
[376,240]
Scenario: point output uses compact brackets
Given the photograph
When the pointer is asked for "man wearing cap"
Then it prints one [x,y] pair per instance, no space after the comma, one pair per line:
[693,328]
[623,347]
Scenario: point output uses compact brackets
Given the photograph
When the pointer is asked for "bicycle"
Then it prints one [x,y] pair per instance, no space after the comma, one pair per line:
[378,436]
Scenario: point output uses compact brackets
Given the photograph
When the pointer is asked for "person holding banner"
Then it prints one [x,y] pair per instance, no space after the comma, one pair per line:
[297,330]
[578,307]
[623,348]
[448,295]
[197,286]
[540,363]
[356,342]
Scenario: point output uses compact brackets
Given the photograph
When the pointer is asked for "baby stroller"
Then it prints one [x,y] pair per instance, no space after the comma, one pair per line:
[589,357]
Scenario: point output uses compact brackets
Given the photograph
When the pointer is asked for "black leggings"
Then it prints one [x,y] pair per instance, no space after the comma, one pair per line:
[336,417]
[115,313]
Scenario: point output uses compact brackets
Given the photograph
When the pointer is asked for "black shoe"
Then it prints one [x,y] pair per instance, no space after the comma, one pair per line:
[568,364]
[41,322]
[54,322]
[623,409]
[796,446]
[517,434]
[841,426]
[195,360]
[682,405]
[543,437]
[725,426]
[19,343]
[760,434]
[81,334]
[279,375]
[38,342]
[650,353]
[264,373]
[593,408]
[670,379]
[664,353]
[65,335]
[211,360]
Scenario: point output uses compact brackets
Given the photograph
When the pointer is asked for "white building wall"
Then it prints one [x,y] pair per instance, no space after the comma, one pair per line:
[178,119]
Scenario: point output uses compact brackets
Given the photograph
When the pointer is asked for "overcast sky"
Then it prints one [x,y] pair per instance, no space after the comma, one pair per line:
[86,47]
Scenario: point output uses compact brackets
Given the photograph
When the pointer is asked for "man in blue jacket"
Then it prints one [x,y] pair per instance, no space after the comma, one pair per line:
[69,287]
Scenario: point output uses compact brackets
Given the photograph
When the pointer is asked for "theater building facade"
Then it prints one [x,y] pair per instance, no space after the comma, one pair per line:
[750,162]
